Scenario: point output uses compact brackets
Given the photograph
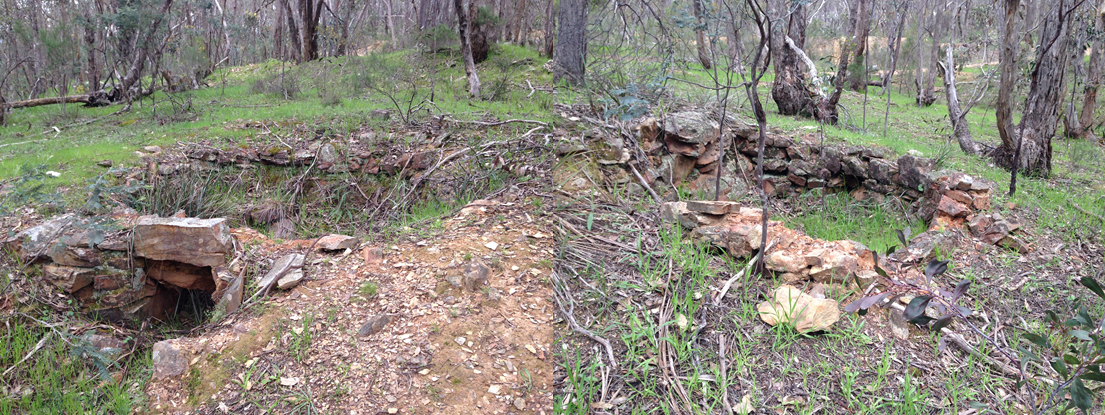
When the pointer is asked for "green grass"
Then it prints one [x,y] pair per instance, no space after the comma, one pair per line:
[838,216]
[58,378]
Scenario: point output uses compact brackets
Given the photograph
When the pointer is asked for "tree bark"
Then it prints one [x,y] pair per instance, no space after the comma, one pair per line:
[1093,78]
[90,100]
[1004,110]
[960,129]
[856,81]
[1032,152]
[464,26]
[828,108]
[309,13]
[790,90]
[571,42]
[293,31]
[140,55]
[550,28]
[519,25]
[700,35]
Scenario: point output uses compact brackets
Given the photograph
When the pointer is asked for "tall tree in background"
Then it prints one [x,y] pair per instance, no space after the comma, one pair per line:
[1029,148]
[571,42]
[550,28]
[928,26]
[700,34]
[1009,44]
[142,52]
[310,11]
[464,26]
[791,88]
[857,74]
[1083,126]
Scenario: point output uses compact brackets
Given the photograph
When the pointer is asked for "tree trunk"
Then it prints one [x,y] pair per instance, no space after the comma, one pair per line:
[89,100]
[700,35]
[293,31]
[519,22]
[464,27]
[856,81]
[926,71]
[828,108]
[390,23]
[90,41]
[1004,110]
[571,42]
[1093,78]
[550,28]
[790,90]
[140,55]
[1032,152]
[960,129]
[309,13]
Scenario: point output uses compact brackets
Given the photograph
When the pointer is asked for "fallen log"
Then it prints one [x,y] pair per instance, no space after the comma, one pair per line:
[95,99]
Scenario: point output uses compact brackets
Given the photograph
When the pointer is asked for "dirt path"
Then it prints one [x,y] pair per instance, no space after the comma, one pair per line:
[443,349]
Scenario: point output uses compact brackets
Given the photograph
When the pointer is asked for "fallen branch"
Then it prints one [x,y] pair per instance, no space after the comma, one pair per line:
[29,354]
[645,184]
[729,283]
[91,100]
[570,318]
[498,123]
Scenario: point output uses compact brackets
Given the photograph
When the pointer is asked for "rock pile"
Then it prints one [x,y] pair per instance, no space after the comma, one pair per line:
[325,156]
[95,265]
[685,143]
[794,256]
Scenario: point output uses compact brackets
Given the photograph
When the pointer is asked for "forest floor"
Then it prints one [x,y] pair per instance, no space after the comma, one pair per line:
[546,223]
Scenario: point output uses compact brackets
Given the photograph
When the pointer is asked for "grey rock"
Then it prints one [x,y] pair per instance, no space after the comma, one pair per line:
[475,275]
[691,127]
[232,297]
[169,360]
[107,345]
[913,172]
[455,280]
[282,266]
[290,279]
[898,326]
[199,242]
[334,242]
[374,325]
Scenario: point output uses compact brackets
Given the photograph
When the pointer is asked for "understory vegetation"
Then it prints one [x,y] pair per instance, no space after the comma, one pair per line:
[676,342]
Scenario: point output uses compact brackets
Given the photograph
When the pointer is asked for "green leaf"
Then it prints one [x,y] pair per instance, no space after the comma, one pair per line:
[1081,396]
[1059,366]
[1081,335]
[1071,360]
[1037,340]
[916,308]
[1092,284]
[1096,377]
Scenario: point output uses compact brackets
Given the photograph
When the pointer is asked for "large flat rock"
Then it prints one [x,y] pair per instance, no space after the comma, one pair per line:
[199,242]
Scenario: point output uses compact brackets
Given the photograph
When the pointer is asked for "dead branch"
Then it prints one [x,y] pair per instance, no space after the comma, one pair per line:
[567,312]
[29,354]
[645,184]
